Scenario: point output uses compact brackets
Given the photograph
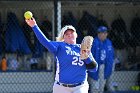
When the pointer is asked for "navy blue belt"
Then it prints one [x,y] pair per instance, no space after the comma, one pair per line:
[69,85]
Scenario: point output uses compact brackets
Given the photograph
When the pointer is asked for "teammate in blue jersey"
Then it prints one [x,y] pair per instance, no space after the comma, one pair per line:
[71,72]
[103,53]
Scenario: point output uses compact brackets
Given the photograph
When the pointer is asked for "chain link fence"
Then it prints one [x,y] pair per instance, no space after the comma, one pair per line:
[30,68]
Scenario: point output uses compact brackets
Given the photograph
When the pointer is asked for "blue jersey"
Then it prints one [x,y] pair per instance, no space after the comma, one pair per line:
[70,69]
[103,53]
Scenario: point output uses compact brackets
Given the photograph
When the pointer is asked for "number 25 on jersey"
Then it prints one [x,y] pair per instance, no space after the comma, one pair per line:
[77,61]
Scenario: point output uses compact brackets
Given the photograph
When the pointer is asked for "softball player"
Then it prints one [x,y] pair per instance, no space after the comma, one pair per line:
[103,52]
[71,72]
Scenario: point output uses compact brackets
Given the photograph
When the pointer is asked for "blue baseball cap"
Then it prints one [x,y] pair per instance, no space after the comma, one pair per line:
[102,29]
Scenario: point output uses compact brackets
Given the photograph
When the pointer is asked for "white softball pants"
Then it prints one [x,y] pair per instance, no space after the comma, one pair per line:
[78,89]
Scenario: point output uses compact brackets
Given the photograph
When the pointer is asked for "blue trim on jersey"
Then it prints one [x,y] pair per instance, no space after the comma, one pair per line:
[70,68]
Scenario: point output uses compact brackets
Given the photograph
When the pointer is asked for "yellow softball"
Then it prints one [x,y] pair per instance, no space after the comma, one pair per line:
[28,15]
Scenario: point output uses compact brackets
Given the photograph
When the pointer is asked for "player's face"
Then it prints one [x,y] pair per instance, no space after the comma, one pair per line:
[102,36]
[70,37]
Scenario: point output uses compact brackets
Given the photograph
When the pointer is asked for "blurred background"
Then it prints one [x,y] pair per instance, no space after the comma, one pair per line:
[27,67]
